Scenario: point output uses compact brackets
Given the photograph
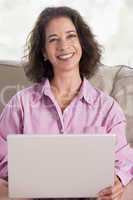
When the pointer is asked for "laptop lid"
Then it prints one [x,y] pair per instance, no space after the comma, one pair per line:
[59,166]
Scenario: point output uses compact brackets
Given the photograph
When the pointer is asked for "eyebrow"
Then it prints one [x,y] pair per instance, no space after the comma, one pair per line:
[54,35]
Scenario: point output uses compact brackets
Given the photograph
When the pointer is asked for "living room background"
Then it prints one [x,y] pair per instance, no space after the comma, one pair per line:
[111,22]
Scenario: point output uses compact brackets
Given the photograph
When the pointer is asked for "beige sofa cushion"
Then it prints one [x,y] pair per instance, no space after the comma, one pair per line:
[12,79]
[117,81]
[104,78]
[123,93]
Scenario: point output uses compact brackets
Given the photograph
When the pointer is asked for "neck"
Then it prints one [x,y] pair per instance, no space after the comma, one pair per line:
[66,83]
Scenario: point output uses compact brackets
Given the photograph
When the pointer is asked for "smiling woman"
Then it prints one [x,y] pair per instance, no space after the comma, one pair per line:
[56,27]
[62,54]
[62,46]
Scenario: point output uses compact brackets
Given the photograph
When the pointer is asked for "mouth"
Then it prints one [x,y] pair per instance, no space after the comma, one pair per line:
[65,56]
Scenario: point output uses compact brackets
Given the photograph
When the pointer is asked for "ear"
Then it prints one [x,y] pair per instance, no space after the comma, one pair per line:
[44,54]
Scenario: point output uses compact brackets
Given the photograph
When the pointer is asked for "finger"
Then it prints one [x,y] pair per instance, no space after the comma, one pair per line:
[105,193]
[117,188]
[117,194]
[107,190]
[104,198]
[111,192]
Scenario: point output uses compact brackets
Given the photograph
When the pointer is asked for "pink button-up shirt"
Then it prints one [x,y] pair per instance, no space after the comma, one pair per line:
[35,111]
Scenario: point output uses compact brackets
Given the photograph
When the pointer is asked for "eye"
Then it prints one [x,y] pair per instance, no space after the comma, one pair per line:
[53,40]
[72,36]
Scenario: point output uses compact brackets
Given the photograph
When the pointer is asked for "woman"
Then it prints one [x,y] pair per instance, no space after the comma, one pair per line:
[62,54]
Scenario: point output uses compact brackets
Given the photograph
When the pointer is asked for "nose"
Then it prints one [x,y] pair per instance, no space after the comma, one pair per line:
[63,44]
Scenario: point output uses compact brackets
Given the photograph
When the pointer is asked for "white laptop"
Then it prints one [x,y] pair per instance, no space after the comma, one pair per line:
[60,166]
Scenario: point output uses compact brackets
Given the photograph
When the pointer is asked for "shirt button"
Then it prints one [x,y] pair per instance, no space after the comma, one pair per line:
[61,131]
[66,109]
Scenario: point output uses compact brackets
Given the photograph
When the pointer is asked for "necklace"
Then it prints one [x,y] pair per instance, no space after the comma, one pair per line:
[65,98]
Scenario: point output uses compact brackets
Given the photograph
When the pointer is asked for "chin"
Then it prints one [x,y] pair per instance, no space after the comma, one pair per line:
[68,67]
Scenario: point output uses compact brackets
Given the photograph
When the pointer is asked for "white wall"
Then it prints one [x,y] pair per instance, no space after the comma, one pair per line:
[110,20]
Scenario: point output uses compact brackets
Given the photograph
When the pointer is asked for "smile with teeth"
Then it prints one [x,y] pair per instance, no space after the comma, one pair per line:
[65,56]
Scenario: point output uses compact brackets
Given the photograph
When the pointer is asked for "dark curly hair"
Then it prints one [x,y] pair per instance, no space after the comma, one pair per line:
[36,68]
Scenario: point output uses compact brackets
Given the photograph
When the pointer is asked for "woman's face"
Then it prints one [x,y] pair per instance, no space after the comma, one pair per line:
[62,46]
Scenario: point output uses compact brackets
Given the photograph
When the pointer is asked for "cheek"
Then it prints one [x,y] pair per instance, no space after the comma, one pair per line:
[79,50]
[50,52]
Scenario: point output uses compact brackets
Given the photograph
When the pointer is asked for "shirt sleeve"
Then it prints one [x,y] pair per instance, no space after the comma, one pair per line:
[10,123]
[123,152]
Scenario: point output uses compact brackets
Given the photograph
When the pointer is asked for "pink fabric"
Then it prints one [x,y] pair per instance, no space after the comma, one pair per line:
[35,111]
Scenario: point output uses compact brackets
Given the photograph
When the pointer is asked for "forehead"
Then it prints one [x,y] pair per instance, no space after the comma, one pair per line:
[59,25]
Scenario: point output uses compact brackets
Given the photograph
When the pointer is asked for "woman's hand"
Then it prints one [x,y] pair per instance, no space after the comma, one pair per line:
[3,188]
[112,193]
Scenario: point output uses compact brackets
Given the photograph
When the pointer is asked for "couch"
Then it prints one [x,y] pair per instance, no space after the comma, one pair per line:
[117,81]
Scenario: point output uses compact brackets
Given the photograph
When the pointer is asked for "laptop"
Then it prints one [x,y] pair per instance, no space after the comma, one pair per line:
[60,166]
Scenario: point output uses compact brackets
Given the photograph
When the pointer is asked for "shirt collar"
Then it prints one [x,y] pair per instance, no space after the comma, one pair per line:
[87,91]
[41,89]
